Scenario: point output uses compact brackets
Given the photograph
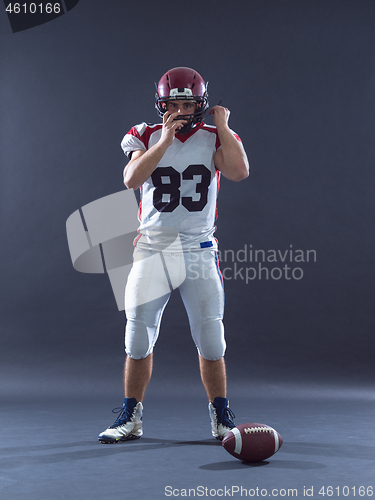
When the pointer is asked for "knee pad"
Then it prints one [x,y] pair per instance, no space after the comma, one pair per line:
[142,327]
[209,339]
[139,341]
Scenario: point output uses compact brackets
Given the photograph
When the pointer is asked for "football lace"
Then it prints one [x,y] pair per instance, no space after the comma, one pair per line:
[253,430]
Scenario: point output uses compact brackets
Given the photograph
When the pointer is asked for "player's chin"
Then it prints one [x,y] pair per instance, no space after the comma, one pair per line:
[179,127]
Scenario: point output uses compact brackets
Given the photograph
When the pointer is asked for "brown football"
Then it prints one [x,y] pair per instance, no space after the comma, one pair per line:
[252,442]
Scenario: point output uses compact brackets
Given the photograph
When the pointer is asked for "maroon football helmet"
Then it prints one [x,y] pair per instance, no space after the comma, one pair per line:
[185,84]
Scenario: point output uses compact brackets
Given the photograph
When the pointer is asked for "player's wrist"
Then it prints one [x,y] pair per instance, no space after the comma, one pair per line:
[223,127]
[164,142]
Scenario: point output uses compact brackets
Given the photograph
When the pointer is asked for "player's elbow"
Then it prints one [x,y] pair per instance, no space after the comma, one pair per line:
[130,183]
[241,172]
[129,179]
[244,174]
[127,182]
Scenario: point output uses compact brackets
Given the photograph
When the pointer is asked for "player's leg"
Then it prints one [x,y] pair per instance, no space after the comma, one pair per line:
[214,378]
[146,296]
[213,374]
[137,374]
[144,309]
[203,296]
[202,293]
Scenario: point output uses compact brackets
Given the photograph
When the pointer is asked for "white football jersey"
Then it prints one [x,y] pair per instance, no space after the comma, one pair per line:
[179,198]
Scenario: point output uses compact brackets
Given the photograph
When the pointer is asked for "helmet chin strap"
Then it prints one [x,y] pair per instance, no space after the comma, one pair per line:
[189,126]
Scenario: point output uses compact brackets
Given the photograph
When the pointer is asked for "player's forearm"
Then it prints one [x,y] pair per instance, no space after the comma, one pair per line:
[234,163]
[137,171]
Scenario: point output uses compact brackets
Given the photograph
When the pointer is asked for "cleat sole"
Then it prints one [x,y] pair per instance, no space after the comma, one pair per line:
[127,438]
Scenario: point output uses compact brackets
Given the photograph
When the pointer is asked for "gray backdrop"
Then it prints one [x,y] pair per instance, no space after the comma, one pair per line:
[298,77]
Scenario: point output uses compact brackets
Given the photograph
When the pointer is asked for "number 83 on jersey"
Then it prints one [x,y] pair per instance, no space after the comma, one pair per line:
[172,188]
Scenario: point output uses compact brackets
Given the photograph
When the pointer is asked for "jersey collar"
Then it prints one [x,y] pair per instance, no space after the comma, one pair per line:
[184,137]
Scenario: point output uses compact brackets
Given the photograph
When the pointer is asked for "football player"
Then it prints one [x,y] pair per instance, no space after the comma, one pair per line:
[177,165]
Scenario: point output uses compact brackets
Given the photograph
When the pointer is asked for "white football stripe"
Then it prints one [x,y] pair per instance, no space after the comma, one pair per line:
[276,436]
[237,435]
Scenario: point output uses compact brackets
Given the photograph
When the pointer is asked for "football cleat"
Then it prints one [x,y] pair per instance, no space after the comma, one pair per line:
[128,424]
[221,418]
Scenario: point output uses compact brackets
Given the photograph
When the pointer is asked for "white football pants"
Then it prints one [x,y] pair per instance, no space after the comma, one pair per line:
[150,283]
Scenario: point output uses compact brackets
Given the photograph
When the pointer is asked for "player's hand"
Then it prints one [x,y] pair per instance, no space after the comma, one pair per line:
[170,127]
[220,116]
